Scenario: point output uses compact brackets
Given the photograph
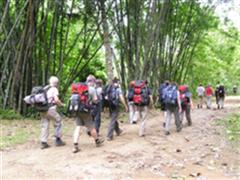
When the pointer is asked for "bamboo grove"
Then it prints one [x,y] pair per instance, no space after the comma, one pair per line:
[153,40]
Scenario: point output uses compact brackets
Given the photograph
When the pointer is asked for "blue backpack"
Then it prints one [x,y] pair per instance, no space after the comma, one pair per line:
[170,95]
[160,91]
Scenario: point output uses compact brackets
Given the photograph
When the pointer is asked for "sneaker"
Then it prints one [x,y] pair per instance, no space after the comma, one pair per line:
[44,145]
[134,122]
[142,135]
[99,141]
[167,133]
[75,149]
[59,142]
[189,123]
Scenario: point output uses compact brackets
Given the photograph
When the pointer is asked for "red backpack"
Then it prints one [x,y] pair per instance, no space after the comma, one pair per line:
[141,93]
[184,94]
[79,101]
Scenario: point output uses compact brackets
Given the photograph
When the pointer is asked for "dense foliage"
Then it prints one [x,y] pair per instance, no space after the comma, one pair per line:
[179,40]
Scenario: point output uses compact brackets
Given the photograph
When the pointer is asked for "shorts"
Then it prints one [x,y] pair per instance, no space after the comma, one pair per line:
[85,119]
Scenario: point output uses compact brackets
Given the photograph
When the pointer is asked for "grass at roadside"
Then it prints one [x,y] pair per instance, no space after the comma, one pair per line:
[232,125]
[17,132]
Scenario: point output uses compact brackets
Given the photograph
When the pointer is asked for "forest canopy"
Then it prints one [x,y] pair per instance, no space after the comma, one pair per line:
[178,40]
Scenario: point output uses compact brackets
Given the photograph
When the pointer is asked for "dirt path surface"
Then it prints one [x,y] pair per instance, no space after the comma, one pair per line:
[198,152]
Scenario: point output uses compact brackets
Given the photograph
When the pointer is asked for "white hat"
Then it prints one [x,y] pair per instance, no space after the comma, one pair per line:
[53,81]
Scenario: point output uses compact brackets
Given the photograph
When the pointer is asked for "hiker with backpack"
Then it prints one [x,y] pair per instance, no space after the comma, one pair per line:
[235,89]
[200,94]
[113,94]
[161,100]
[209,94]
[220,95]
[142,98]
[99,90]
[45,100]
[86,111]
[186,103]
[130,103]
[173,106]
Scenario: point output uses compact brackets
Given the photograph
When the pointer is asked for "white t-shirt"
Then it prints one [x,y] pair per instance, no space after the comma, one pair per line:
[200,91]
[51,93]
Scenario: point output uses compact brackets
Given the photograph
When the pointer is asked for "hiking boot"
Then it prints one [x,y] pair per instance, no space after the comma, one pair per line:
[189,123]
[121,132]
[59,142]
[167,133]
[109,138]
[99,141]
[75,149]
[179,129]
[44,145]
[164,124]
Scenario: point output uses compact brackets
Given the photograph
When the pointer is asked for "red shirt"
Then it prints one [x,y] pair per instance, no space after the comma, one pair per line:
[209,91]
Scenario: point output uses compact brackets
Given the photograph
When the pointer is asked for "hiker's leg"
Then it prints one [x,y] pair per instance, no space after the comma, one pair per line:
[210,102]
[181,114]
[136,113]
[188,115]
[53,114]
[221,102]
[131,112]
[98,118]
[44,128]
[177,119]
[168,120]
[116,126]
[113,116]
[143,116]
[76,134]
[164,117]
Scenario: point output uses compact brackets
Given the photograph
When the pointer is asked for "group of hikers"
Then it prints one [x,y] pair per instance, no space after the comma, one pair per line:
[209,92]
[88,99]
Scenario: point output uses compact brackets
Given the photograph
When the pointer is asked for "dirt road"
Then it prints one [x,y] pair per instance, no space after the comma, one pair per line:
[198,152]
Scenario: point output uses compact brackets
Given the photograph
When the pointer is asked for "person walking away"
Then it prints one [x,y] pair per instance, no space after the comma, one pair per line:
[161,100]
[221,97]
[52,114]
[209,93]
[129,96]
[235,89]
[142,98]
[87,112]
[99,105]
[200,94]
[186,103]
[114,95]
[173,106]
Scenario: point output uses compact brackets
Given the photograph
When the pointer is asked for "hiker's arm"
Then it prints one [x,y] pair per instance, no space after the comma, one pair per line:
[191,103]
[151,100]
[58,101]
[179,103]
[123,102]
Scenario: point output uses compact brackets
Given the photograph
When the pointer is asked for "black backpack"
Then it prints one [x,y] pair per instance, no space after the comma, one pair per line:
[111,96]
[221,91]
